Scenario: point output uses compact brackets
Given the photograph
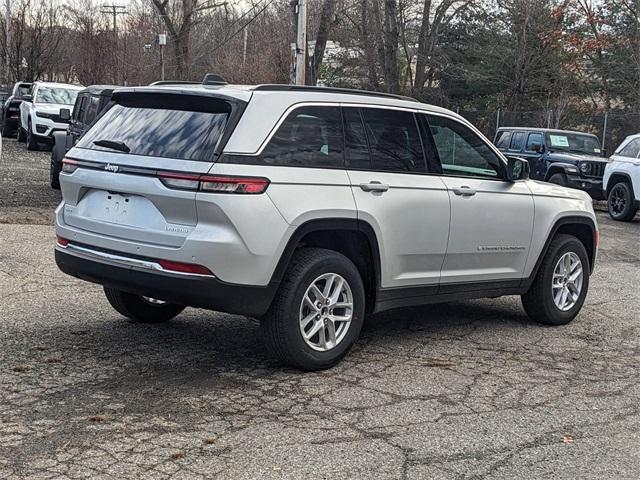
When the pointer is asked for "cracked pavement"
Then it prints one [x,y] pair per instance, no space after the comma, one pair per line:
[462,390]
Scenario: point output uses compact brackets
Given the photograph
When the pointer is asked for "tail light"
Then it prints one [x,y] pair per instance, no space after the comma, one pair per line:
[215,183]
[68,165]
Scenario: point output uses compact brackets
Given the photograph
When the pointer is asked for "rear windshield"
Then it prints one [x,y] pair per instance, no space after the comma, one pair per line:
[143,129]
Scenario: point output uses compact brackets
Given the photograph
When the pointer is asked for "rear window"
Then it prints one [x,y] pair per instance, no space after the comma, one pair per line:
[147,129]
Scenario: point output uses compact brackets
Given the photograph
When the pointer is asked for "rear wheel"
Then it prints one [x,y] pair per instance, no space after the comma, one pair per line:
[318,312]
[22,134]
[620,202]
[559,179]
[54,172]
[141,309]
[561,284]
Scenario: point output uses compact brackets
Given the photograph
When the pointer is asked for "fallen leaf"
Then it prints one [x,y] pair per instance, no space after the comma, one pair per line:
[567,438]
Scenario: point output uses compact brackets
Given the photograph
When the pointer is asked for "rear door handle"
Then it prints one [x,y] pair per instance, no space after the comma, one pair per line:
[464,191]
[374,187]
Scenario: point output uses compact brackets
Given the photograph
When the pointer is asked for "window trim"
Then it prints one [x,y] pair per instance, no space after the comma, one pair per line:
[524,141]
[499,154]
[527,141]
[415,111]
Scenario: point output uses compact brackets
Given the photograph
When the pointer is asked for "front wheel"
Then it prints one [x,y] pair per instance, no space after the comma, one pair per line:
[559,179]
[32,142]
[141,309]
[561,284]
[620,202]
[318,312]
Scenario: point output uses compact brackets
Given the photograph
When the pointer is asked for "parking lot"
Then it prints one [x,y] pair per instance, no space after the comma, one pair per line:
[463,390]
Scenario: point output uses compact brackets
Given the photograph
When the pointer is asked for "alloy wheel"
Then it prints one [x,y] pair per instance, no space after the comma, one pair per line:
[567,281]
[326,312]
[617,200]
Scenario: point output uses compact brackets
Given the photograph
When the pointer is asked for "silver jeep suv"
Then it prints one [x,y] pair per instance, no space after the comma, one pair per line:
[309,208]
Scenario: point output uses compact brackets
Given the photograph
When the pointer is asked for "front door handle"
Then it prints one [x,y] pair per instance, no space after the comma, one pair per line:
[464,191]
[374,187]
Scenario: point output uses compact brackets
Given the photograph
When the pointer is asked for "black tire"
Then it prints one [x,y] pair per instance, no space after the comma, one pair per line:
[620,202]
[32,142]
[138,309]
[538,301]
[22,135]
[559,179]
[54,172]
[281,326]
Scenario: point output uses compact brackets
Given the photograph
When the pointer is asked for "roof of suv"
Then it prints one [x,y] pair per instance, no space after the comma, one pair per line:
[545,130]
[267,104]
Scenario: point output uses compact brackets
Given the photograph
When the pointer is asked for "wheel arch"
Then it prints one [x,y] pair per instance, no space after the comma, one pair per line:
[583,228]
[617,177]
[557,167]
[353,238]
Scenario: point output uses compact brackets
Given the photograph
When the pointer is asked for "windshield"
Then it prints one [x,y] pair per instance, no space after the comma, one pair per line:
[62,96]
[573,142]
[157,132]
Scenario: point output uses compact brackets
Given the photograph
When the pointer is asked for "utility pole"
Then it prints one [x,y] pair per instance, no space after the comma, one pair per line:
[115,10]
[301,42]
[7,41]
[244,47]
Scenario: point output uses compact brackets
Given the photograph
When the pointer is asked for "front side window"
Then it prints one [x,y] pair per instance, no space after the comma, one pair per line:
[308,137]
[532,140]
[631,150]
[91,109]
[394,141]
[461,151]
[79,107]
[60,96]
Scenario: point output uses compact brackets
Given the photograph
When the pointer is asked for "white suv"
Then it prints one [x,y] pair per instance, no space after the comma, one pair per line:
[47,109]
[309,208]
[621,181]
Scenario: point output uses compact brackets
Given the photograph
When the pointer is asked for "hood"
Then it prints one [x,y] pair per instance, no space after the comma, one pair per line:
[552,190]
[573,157]
[51,107]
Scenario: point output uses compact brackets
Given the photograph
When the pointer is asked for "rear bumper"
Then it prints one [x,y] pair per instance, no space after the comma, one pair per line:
[593,186]
[191,290]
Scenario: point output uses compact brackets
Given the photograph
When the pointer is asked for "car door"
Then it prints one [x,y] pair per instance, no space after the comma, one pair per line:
[491,218]
[406,206]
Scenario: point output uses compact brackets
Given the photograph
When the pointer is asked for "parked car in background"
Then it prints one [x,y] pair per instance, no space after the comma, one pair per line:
[308,207]
[621,180]
[567,158]
[40,112]
[11,108]
[90,103]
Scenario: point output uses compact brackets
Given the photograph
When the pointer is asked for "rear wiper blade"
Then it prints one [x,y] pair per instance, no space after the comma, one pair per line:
[112,144]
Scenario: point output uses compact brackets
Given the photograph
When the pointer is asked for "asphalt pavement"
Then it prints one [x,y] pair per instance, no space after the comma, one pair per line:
[462,390]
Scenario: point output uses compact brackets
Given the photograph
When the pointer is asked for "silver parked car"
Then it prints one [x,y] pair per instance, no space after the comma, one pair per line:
[309,208]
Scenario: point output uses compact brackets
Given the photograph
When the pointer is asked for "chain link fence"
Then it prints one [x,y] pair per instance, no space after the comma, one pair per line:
[611,128]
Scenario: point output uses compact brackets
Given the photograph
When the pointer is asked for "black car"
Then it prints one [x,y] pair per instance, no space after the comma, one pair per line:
[571,159]
[11,108]
[90,103]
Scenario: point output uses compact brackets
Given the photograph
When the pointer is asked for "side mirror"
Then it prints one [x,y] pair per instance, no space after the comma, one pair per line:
[517,169]
[27,98]
[65,114]
[537,147]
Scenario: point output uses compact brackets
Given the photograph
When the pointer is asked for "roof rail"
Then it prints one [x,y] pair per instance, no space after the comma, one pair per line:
[213,79]
[174,82]
[311,88]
